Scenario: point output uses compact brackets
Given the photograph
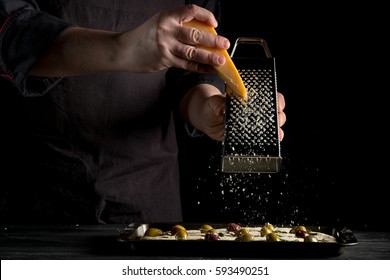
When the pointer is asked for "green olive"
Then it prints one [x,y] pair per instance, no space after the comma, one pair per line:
[265,231]
[242,231]
[298,228]
[270,226]
[176,228]
[246,236]
[212,231]
[310,238]
[153,232]
[272,237]
[205,228]
[181,234]
[302,228]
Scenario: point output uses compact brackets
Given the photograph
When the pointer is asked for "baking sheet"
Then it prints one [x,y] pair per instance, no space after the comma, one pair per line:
[129,241]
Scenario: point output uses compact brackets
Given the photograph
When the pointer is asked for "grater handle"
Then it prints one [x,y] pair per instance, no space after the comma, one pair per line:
[252,41]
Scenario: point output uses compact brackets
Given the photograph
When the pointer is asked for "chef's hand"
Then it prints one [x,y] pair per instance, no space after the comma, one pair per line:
[158,43]
[281,114]
[204,106]
[163,42]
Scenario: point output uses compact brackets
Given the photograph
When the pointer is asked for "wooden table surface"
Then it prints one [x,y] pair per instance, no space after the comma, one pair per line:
[76,242]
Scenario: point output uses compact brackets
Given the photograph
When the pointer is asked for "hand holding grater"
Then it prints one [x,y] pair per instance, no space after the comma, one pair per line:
[251,143]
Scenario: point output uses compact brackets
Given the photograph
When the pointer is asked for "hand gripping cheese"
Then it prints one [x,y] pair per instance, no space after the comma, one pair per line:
[228,72]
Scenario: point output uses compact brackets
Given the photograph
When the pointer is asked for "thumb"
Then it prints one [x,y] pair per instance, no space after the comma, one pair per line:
[217,105]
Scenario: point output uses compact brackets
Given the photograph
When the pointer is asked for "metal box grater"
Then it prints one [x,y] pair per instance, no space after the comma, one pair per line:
[251,143]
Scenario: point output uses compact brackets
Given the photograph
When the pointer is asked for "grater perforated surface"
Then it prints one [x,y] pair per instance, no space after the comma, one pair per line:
[255,122]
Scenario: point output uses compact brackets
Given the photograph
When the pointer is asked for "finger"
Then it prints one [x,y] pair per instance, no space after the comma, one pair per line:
[192,61]
[175,61]
[218,133]
[196,37]
[197,67]
[217,105]
[198,55]
[221,135]
[199,46]
[281,134]
[281,102]
[281,118]
[196,12]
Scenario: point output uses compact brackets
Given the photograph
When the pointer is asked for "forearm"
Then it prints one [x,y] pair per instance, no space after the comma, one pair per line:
[157,44]
[80,51]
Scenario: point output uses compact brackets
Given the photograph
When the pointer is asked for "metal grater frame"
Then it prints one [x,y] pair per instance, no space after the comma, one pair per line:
[251,141]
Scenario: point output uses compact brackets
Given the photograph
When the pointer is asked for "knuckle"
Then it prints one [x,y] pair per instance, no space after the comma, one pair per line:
[191,53]
[191,7]
[195,35]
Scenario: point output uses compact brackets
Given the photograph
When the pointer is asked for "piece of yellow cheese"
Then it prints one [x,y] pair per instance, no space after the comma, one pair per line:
[228,72]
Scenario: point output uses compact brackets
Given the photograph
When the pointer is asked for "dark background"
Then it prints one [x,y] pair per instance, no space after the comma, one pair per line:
[331,66]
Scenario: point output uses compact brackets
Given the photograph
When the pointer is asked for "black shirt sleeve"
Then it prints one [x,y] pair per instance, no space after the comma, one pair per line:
[26,33]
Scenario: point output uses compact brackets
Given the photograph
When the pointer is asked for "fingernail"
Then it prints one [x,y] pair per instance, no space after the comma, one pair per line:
[221,60]
[226,44]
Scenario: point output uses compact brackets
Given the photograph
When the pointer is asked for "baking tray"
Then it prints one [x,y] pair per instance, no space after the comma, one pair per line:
[130,243]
